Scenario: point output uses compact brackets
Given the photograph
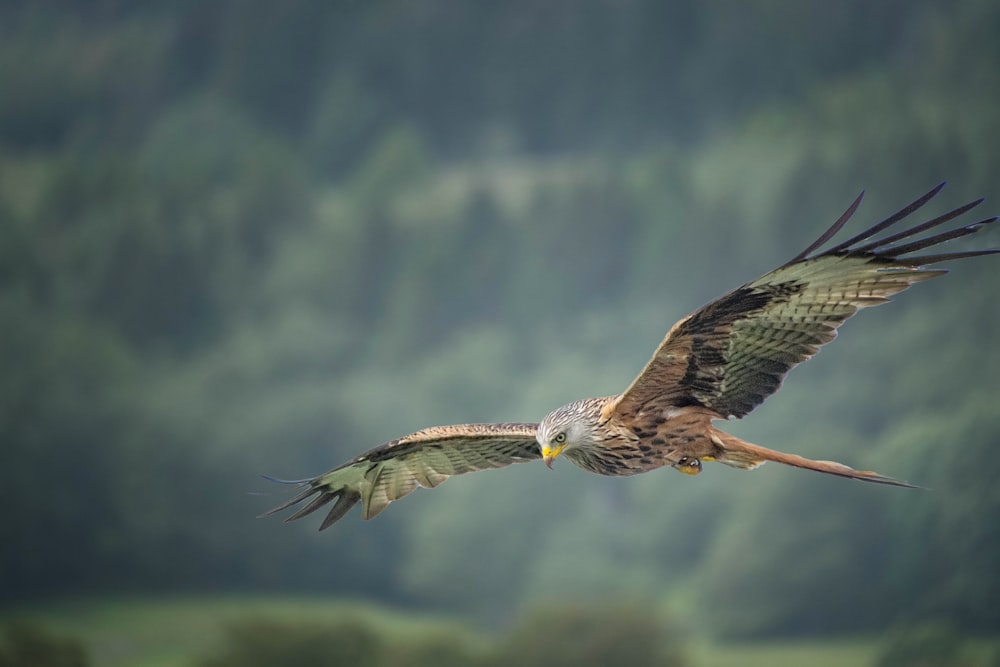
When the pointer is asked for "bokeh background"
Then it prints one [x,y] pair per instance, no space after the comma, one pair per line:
[257,237]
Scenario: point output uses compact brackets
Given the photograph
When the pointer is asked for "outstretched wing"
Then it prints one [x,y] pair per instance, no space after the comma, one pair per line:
[425,458]
[733,353]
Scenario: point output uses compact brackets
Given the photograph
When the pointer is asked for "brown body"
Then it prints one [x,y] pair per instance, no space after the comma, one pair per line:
[664,439]
[681,438]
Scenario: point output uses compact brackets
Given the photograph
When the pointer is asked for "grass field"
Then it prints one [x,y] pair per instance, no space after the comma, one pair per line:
[854,653]
[164,632]
[168,632]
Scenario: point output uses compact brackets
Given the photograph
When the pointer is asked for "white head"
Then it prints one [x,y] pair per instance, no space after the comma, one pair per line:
[569,427]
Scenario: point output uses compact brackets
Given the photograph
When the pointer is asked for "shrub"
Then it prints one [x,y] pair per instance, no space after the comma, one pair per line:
[925,645]
[433,651]
[582,636]
[27,645]
[265,643]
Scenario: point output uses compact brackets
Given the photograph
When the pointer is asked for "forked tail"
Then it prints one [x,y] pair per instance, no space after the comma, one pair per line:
[741,454]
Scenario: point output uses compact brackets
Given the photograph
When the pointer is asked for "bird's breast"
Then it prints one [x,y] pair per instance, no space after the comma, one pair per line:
[639,445]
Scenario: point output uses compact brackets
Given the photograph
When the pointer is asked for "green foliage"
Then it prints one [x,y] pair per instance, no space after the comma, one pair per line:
[967,482]
[553,637]
[592,635]
[924,645]
[433,651]
[263,643]
[26,645]
[348,641]
[67,83]
[803,568]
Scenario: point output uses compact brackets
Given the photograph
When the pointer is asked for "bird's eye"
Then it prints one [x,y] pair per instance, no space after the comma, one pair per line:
[560,437]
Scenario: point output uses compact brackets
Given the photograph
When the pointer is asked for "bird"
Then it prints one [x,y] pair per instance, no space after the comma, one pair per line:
[718,363]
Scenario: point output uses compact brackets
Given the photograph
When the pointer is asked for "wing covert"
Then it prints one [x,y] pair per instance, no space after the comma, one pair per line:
[425,458]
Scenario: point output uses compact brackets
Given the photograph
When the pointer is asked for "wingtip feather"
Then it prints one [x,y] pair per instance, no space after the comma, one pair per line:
[277,480]
[845,246]
[344,503]
[294,500]
[832,231]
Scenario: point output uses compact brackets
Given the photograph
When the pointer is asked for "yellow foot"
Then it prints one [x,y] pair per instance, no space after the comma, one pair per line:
[688,466]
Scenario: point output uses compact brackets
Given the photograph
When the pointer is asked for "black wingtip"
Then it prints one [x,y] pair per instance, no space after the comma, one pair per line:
[832,231]
[346,499]
[881,243]
[936,239]
[910,208]
[888,246]
[276,480]
[295,500]
[927,260]
[317,502]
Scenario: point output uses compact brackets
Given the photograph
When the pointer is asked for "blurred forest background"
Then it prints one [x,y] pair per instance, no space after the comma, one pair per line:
[259,237]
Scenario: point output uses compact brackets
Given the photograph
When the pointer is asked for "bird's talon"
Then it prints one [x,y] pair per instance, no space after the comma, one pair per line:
[688,465]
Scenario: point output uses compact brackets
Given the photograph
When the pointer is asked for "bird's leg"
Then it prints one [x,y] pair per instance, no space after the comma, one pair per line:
[688,465]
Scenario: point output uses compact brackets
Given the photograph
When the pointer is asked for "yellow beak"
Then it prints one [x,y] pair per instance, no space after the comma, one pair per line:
[549,454]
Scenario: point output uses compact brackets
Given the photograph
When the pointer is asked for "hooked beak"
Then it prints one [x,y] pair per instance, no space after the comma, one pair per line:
[549,454]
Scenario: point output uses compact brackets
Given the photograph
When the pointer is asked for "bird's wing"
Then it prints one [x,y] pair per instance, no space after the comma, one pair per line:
[733,353]
[425,458]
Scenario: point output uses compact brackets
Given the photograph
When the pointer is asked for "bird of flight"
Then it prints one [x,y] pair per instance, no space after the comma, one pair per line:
[719,362]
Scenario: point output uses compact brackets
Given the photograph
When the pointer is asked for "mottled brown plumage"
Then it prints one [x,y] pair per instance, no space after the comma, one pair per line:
[721,361]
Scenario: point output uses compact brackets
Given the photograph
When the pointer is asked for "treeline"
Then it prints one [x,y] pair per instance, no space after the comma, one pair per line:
[247,238]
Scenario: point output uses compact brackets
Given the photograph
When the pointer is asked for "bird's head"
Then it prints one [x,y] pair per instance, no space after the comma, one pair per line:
[570,427]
